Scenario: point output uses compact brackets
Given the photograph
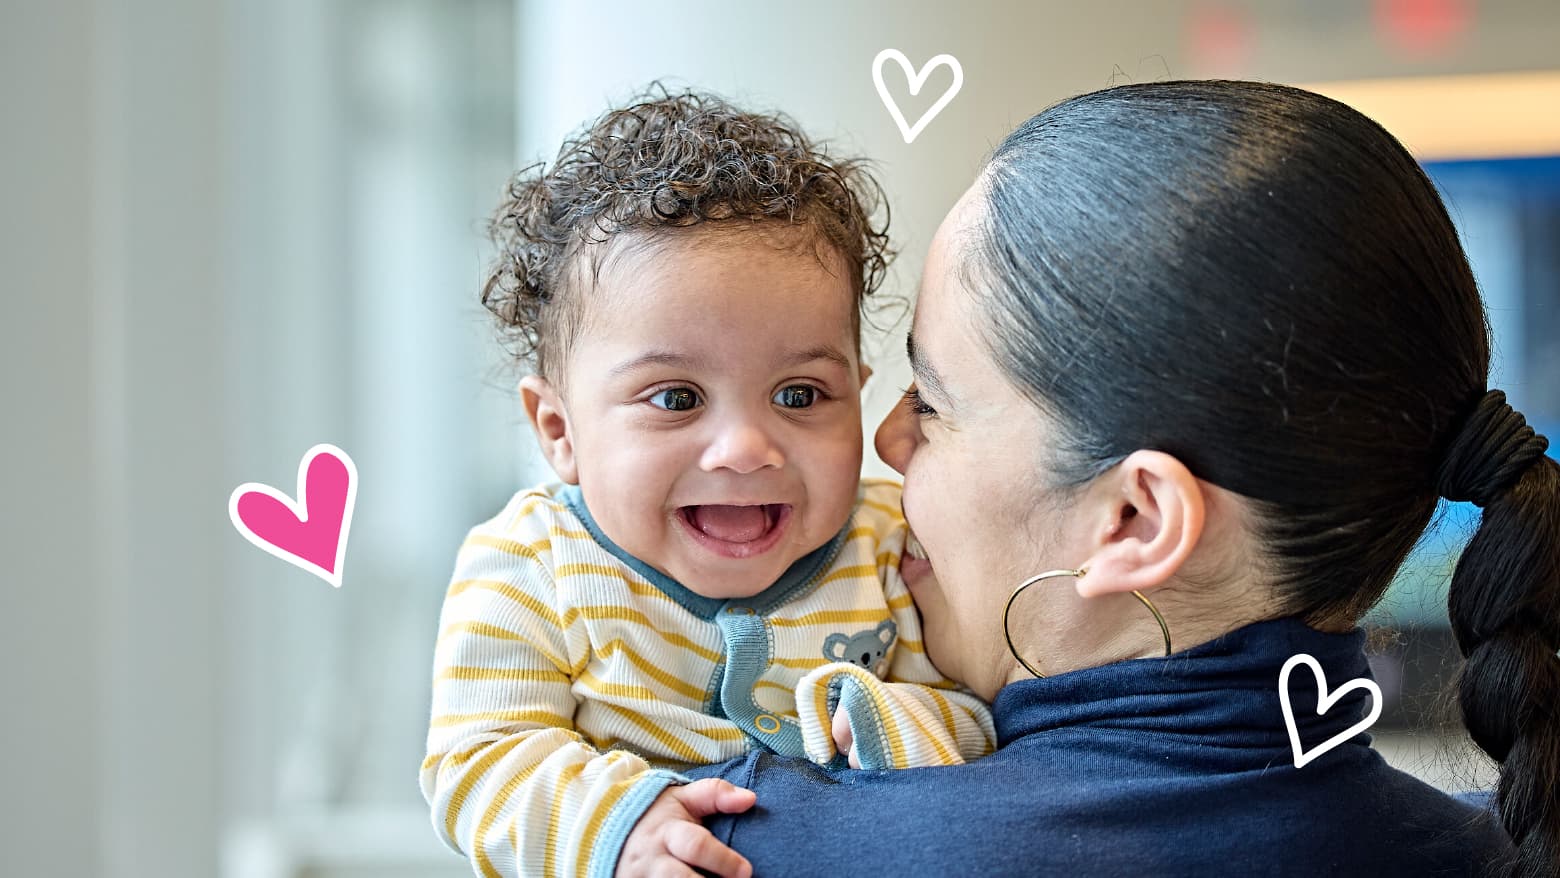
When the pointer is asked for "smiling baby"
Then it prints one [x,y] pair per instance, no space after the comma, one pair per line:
[710,574]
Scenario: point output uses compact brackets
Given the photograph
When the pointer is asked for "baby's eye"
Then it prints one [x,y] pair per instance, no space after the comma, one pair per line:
[676,399]
[797,396]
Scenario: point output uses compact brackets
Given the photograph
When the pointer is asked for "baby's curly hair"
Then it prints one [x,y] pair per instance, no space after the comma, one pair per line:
[668,161]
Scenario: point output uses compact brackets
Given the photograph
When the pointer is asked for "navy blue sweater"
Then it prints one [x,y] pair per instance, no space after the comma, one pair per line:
[1160,767]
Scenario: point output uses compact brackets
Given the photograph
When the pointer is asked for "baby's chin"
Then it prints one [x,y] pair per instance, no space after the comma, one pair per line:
[736,579]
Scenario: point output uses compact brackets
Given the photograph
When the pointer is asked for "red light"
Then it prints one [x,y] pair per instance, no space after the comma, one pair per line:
[1218,39]
[1422,27]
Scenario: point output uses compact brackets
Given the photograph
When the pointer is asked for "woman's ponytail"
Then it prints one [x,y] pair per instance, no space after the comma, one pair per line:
[1505,613]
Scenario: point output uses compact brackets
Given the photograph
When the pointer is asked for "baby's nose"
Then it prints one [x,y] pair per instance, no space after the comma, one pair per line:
[743,447]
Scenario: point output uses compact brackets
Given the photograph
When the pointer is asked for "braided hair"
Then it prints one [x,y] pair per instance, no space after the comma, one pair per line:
[1505,609]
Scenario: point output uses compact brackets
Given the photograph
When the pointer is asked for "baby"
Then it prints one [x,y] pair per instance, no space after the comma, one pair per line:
[711,574]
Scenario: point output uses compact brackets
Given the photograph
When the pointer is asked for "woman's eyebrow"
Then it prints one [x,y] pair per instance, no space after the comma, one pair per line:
[925,375]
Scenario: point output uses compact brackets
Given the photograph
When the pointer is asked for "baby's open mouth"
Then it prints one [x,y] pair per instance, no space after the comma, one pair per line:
[736,531]
[734,524]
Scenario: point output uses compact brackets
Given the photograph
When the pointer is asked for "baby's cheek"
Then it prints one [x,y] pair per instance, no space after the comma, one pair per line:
[840,466]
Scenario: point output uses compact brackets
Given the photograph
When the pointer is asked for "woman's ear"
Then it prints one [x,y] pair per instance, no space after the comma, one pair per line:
[544,406]
[1149,517]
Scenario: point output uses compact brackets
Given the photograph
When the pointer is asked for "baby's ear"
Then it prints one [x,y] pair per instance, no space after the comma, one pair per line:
[544,406]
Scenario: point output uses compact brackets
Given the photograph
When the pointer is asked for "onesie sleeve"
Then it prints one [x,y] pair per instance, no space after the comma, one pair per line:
[895,723]
[511,783]
[913,716]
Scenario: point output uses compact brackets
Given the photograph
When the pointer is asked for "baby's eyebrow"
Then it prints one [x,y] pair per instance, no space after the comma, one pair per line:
[697,363]
[821,352]
[660,358]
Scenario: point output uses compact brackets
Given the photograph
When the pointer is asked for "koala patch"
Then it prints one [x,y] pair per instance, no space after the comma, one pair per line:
[866,649]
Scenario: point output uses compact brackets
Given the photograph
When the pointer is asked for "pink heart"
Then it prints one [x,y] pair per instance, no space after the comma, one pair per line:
[310,533]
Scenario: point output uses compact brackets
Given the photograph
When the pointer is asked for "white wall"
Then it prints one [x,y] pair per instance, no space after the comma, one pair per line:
[188,309]
[115,437]
[47,598]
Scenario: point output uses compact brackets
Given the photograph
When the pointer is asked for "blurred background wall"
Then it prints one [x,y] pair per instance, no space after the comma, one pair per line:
[235,228]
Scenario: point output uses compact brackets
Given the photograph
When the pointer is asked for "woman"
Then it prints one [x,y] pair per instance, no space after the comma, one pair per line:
[1215,344]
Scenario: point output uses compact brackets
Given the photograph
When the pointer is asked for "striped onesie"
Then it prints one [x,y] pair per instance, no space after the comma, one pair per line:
[571,679]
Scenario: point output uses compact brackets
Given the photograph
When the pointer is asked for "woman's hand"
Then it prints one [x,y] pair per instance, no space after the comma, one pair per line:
[845,739]
[670,839]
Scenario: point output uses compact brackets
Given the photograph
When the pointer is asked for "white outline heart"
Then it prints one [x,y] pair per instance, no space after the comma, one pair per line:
[300,509]
[1324,701]
[917,79]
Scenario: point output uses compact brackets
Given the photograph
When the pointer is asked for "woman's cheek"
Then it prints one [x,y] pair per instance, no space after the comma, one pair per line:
[908,500]
[926,519]
[936,629]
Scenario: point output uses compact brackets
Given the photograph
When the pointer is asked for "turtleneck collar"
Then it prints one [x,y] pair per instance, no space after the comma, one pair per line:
[1223,693]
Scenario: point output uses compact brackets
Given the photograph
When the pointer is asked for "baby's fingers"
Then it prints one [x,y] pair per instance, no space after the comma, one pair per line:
[713,796]
[844,737]
[694,845]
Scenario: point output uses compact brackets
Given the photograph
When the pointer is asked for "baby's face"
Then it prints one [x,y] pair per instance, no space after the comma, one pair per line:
[713,406]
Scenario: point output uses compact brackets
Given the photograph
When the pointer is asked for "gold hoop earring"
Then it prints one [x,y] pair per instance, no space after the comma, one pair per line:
[1164,628]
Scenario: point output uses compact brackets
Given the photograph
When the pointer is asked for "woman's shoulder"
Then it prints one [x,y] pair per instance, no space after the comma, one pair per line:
[1403,822]
[1047,810]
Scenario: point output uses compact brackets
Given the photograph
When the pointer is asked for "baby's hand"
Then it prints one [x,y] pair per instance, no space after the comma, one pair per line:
[669,839]
[845,739]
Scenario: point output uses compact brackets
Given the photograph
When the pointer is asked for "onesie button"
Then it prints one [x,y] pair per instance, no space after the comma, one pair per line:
[741,611]
[766,723]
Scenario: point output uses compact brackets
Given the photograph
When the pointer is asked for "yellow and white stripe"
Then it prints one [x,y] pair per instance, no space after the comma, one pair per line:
[564,683]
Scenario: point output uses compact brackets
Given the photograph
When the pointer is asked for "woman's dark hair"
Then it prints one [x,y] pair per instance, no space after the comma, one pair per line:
[1262,282]
[669,161]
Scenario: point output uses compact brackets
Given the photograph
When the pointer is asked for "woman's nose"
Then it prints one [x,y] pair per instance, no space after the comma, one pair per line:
[741,446]
[896,438]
